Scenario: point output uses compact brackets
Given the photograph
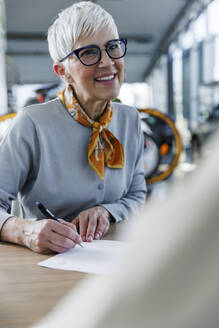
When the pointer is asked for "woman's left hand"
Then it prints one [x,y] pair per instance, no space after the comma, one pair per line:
[92,223]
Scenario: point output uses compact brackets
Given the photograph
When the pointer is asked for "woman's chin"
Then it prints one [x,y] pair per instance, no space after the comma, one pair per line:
[106,92]
[110,95]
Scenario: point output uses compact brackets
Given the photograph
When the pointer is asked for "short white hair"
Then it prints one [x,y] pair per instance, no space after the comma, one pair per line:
[82,19]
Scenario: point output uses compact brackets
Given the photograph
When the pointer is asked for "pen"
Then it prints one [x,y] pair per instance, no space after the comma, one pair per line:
[50,215]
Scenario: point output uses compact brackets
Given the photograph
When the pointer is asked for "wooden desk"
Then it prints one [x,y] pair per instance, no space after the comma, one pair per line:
[28,291]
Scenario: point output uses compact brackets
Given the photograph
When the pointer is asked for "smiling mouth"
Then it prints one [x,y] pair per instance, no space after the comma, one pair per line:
[106,78]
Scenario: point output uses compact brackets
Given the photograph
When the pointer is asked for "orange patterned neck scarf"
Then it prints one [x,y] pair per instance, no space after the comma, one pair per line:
[103,148]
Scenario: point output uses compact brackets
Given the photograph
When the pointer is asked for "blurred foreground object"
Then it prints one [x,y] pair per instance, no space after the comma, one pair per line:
[169,275]
[162,145]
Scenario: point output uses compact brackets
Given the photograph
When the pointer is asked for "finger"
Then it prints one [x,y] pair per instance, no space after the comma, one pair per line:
[102,227]
[77,224]
[55,248]
[66,230]
[69,224]
[92,224]
[106,230]
[83,224]
[77,238]
[60,240]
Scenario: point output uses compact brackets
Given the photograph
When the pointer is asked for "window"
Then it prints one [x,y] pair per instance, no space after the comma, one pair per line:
[177,80]
[187,40]
[216,60]
[200,27]
[213,20]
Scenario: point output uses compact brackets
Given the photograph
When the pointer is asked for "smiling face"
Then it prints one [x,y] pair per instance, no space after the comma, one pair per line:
[100,82]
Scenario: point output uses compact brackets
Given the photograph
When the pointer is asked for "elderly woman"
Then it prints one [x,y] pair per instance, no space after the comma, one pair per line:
[79,154]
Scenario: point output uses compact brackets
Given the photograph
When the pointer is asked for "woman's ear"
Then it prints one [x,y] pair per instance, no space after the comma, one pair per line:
[60,70]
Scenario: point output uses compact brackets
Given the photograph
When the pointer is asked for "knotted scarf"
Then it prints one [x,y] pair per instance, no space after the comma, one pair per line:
[103,147]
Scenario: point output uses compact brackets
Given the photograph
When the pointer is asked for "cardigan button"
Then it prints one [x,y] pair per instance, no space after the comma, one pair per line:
[100,186]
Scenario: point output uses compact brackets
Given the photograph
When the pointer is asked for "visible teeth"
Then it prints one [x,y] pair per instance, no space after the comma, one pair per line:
[105,78]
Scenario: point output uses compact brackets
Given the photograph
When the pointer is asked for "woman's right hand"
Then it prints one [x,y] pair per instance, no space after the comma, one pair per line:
[44,236]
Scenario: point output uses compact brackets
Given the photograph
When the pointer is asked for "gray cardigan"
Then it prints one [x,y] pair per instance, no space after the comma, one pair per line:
[44,158]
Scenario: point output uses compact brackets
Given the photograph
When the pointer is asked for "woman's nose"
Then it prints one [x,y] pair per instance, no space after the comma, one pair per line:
[105,59]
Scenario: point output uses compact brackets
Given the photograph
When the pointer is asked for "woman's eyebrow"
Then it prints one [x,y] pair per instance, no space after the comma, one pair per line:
[95,45]
[89,45]
[108,41]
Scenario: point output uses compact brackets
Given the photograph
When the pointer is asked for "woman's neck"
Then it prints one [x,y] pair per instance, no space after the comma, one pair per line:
[93,109]
[95,112]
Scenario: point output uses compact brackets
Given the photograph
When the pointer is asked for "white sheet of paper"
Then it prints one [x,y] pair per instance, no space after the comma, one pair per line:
[99,256]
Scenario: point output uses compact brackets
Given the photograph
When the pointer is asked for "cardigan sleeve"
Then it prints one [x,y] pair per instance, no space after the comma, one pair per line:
[131,204]
[16,165]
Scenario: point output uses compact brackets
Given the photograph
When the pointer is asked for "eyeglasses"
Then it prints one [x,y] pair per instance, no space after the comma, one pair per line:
[91,55]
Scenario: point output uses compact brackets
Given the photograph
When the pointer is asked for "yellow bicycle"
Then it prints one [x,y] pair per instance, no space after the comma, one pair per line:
[162,145]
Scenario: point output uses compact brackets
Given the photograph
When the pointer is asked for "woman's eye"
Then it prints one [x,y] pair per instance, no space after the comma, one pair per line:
[88,52]
[113,46]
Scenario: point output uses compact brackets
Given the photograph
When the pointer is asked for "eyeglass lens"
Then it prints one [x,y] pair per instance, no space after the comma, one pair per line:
[90,56]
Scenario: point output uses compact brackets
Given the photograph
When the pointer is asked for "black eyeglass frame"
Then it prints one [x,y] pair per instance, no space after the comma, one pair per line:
[76,52]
